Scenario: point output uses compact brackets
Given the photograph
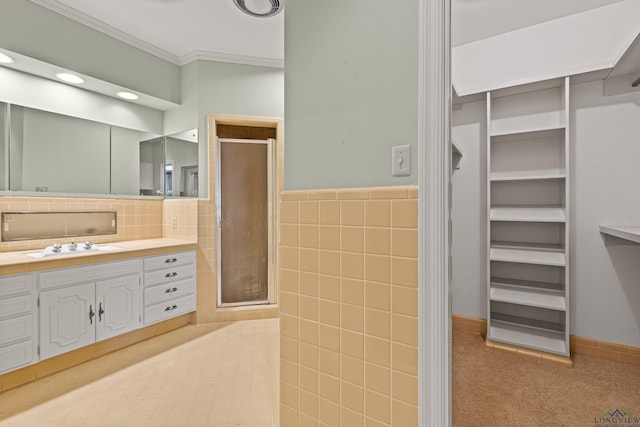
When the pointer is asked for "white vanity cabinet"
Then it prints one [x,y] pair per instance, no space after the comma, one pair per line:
[169,286]
[18,322]
[82,305]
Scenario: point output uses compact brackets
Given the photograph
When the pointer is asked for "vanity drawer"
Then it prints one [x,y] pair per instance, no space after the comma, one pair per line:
[169,309]
[15,285]
[169,275]
[16,305]
[91,273]
[16,355]
[169,291]
[16,329]
[169,260]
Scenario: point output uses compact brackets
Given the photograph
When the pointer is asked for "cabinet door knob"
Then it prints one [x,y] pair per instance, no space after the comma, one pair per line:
[173,274]
[170,260]
[171,308]
[170,290]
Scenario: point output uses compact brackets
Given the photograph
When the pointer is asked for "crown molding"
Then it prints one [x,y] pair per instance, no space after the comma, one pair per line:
[127,38]
[227,57]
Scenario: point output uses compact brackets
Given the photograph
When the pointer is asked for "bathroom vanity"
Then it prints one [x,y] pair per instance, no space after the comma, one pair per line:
[45,312]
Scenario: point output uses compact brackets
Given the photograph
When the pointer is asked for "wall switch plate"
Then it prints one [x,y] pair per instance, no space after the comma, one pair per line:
[401,155]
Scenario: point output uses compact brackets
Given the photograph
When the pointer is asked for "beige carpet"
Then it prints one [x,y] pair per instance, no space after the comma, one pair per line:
[495,388]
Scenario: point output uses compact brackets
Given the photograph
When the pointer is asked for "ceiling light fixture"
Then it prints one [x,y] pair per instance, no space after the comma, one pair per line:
[5,59]
[260,8]
[128,95]
[70,78]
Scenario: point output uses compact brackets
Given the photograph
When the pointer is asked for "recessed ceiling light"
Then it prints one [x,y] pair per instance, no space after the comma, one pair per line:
[127,95]
[260,8]
[5,59]
[70,78]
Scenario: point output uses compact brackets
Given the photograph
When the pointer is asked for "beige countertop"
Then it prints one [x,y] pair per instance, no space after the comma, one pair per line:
[20,262]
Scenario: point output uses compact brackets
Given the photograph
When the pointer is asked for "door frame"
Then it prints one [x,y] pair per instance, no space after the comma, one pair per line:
[434,226]
[272,197]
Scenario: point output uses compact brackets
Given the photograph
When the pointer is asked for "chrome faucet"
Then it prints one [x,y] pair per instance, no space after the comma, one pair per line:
[73,246]
[88,244]
[57,247]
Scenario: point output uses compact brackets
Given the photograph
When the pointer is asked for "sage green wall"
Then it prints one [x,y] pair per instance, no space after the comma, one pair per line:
[351,91]
[225,88]
[40,33]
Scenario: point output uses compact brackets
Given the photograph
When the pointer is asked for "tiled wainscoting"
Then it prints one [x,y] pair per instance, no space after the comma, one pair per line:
[349,307]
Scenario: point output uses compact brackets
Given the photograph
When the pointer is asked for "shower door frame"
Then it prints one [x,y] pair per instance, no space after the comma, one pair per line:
[272,206]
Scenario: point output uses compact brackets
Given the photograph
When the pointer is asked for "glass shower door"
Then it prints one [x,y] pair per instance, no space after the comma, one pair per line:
[245,221]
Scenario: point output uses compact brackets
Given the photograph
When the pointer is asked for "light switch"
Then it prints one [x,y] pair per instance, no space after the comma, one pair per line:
[401,155]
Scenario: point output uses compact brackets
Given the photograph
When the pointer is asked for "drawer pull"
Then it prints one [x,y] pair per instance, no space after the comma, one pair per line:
[171,290]
[91,314]
[174,274]
[171,308]
[170,260]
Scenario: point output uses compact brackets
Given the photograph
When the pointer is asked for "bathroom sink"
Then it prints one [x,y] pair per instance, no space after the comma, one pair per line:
[69,250]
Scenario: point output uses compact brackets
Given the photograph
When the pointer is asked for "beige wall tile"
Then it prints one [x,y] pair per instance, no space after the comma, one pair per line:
[289,304]
[308,331]
[329,338]
[328,412]
[352,265]
[329,362]
[378,406]
[377,213]
[352,291]
[378,378]
[351,418]
[289,235]
[289,326]
[289,212]
[405,387]
[352,370]
[329,388]
[377,268]
[378,323]
[289,372]
[309,236]
[309,356]
[289,349]
[378,296]
[329,237]
[309,404]
[308,379]
[289,280]
[352,193]
[404,358]
[308,308]
[404,329]
[329,287]
[404,213]
[352,213]
[329,212]
[329,313]
[404,242]
[308,260]
[404,272]
[377,240]
[378,351]
[404,415]
[289,395]
[309,212]
[352,344]
[329,263]
[352,397]
[404,300]
[309,284]
[352,239]
[352,317]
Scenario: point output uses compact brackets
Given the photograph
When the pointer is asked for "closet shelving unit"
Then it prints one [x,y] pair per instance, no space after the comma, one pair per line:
[528,216]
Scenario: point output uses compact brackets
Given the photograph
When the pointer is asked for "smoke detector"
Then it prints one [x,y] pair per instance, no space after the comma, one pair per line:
[260,8]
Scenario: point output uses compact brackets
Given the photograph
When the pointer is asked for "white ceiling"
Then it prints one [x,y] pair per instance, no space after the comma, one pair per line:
[183,30]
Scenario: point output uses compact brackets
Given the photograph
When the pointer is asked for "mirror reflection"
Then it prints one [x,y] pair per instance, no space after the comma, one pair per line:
[42,151]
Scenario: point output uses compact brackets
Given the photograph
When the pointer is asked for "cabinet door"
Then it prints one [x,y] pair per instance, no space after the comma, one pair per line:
[118,306]
[67,319]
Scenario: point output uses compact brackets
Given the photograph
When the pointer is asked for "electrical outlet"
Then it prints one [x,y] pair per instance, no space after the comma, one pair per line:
[401,155]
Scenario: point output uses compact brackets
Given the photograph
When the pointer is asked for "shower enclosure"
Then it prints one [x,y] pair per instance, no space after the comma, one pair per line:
[245,205]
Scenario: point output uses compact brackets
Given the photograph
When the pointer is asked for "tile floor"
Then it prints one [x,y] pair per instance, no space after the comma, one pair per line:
[218,375]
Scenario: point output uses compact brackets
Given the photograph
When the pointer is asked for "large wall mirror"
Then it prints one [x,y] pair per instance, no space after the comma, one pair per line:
[42,151]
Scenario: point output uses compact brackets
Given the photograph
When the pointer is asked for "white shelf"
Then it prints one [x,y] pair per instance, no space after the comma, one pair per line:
[529,214]
[627,232]
[528,175]
[528,295]
[530,133]
[528,336]
[528,256]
